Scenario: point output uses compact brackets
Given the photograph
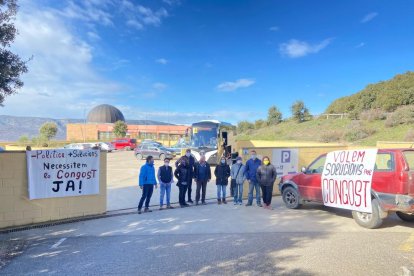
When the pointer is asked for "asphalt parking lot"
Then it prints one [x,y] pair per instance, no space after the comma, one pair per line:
[122,181]
[208,240]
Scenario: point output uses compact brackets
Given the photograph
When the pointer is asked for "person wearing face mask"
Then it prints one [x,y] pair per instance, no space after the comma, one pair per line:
[191,165]
[202,175]
[165,179]
[147,182]
[251,168]
[266,175]
[222,173]
[182,173]
[237,178]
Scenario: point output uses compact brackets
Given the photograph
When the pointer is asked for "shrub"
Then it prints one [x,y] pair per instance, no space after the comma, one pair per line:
[23,140]
[300,112]
[403,115]
[274,116]
[244,126]
[331,136]
[259,124]
[356,131]
[409,136]
[372,115]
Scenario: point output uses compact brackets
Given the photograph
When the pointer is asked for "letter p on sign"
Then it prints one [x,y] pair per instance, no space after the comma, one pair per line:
[285,156]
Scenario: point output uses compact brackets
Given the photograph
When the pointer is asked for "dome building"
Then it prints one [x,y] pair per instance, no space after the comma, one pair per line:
[105,114]
[99,126]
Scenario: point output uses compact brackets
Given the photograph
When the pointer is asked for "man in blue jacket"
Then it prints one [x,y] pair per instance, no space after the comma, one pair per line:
[147,182]
[251,167]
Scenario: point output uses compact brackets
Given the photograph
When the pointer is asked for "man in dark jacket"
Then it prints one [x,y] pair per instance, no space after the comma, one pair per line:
[191,164]
[251,168]
[202,175]
[222,173]
[182,173]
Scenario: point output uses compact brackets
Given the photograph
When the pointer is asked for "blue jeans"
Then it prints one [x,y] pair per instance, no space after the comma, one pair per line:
[165,188]
[256,186]
[221,191]
[238,193]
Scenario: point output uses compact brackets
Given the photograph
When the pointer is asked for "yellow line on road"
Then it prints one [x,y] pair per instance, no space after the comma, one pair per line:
[408,245]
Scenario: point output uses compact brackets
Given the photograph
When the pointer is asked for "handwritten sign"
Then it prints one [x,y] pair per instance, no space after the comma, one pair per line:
[62,172]
[346,179]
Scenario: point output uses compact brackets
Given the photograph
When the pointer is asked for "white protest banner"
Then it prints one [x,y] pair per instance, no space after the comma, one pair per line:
[62,172]
[346,179]
[286,161]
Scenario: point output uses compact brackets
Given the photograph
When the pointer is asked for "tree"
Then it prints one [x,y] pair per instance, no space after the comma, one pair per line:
[299,111]
[244,126]
[11,66]
[48,130]
[259,124]
[120,129]
[274,116]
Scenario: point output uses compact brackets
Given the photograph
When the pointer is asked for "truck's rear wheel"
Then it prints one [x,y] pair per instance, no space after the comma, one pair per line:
[406,217]
[368,220]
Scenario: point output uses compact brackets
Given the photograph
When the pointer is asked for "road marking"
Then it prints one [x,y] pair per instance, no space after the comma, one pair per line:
[58,243]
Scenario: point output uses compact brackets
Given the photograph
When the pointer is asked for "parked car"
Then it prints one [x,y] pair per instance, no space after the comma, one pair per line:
[80,146]
[151,142]
[177,148]
[124,143]
[103,146]
[392,188]
[157,152]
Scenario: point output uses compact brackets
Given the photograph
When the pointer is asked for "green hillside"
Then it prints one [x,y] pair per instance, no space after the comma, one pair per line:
[333,130]
[380,112]
[385,95]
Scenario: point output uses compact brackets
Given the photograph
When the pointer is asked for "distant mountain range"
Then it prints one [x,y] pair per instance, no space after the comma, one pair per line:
[12,127]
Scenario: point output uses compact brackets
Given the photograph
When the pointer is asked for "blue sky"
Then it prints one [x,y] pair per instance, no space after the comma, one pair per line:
[181,61]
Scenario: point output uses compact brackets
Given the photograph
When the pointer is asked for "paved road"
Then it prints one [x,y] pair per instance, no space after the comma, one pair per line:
[218,240]
[123,191]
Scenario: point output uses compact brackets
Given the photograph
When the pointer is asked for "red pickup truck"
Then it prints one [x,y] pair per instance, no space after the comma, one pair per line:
[392,188]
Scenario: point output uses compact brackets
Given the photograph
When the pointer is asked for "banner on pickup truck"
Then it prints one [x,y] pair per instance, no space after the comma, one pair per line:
[62,172]
[346,179]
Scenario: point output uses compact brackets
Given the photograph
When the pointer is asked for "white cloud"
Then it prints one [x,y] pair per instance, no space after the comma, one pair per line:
[93,36]
[135,24]
[138,16]
[161,61]
[296,48]
[172,2]
[159,86]
[362,44]
[368,17]
[274,28]
[90,11]
[231,86]
[188,117]
[61,81]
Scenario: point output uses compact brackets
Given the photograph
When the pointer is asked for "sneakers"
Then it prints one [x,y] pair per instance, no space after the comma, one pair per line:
[259,205]
[170,207]
[235,203]
[139,211]
[203,203]
[161,208]
[190,201]
[224,201]
[147,210]
[248,204]
[218,201]
[240,203]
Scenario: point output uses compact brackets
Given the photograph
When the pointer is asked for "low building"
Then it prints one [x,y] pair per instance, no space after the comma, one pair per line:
[100,123]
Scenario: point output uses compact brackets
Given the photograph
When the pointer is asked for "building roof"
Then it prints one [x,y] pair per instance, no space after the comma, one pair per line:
[105,114]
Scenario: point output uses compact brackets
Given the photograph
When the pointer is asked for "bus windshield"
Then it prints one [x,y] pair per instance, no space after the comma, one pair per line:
[204,135]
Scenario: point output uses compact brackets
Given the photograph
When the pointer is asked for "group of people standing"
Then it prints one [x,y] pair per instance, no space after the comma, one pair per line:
[260,174]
